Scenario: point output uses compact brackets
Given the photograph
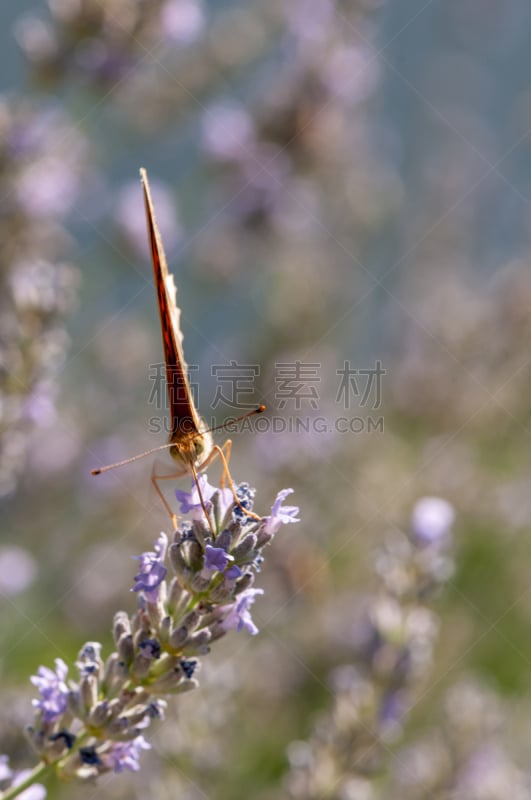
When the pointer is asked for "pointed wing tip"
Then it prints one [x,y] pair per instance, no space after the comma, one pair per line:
[147,193]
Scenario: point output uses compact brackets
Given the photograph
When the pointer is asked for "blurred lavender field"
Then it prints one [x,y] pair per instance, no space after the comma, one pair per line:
[344,192]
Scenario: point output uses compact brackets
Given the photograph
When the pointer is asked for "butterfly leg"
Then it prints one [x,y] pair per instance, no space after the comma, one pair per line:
[173,476]
[225,450]
[218,452]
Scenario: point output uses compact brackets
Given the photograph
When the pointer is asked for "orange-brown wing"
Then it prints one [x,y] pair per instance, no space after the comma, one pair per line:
[184,417]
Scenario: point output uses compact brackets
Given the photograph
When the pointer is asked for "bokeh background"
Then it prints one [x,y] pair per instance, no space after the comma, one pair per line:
[335,182]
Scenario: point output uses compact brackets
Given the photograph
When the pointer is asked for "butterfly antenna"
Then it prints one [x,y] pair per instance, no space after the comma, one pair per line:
[99,470]
[261,408]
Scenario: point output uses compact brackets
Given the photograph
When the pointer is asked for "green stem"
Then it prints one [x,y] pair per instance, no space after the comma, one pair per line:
[38,772]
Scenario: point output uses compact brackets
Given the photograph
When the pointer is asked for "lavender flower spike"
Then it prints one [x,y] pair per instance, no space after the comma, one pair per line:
[190,593]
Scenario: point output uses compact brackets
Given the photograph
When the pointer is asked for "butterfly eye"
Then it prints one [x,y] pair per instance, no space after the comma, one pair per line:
[199,446]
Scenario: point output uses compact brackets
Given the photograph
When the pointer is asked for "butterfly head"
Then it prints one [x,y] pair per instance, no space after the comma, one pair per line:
[193,448]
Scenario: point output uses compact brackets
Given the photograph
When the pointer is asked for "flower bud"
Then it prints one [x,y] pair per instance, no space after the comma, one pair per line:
[99,715]
[246,547]
[141,666]
[126,650]
[89,691]
[197,644]
[121,625]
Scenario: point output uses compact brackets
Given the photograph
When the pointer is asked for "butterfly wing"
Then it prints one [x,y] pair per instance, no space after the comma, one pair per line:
[185,420]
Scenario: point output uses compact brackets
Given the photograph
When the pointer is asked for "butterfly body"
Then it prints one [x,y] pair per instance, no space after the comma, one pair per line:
[191,444]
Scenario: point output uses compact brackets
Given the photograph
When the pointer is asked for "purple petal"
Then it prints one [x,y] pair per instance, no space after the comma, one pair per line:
[152,570]
[281,515]
[190,502]
[225,501]
[125,755]
[52,689]
[233,572]
[216,558]
[239,615]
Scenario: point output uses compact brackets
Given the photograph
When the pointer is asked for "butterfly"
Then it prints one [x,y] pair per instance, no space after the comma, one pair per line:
[190,444]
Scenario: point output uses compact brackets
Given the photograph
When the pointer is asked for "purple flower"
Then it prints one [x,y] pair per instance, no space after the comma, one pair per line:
[190,502]
[217,559]
[125,755]
[239,615]
[152,570]
[52,689]
[225,501]
[233,572]
[432,520]
[281,515]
